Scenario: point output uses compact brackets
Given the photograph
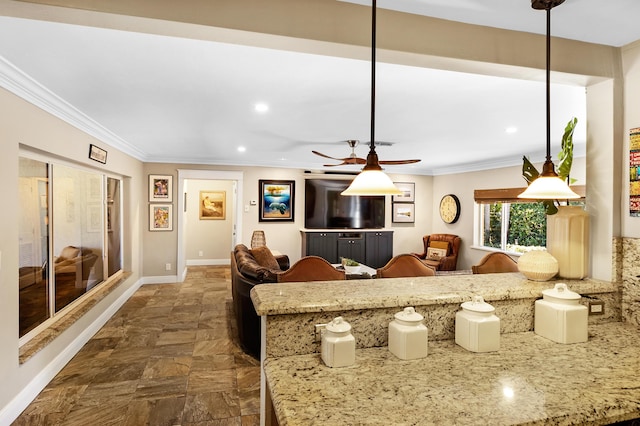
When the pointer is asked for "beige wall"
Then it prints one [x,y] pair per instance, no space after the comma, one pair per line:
[631,67]
[36,130]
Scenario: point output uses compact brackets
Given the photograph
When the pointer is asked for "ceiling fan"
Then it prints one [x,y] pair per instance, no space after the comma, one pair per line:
[371,162]
[354,159]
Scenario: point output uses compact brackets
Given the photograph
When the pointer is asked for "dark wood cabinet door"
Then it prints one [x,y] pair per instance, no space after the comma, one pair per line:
[379,248]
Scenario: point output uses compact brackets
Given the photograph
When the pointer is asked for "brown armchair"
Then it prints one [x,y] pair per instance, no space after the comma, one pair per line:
[405,265]
[449,243]
[495,262]
[311,268]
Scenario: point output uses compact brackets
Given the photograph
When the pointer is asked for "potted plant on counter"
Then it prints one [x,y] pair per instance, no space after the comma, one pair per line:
[350,266]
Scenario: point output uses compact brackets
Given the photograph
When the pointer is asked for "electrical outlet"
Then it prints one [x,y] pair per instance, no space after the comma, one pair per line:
[167,267]
[319,330]
[596,307]
[200,253]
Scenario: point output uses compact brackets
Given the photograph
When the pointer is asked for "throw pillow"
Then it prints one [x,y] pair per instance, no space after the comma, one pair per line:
[440,245]
[265,258]
[436,253]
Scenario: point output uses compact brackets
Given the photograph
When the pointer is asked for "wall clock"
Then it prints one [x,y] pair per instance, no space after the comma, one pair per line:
[450,208]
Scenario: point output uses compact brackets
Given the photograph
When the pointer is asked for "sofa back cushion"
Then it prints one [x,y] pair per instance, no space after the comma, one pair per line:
[265,258]
[69,252]
[249,267]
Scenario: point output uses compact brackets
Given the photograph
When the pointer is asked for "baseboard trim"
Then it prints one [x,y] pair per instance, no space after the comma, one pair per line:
[160,279]
[11,411]
[208,262]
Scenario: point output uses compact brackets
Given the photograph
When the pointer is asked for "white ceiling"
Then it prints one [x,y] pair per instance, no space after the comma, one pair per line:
[188,101]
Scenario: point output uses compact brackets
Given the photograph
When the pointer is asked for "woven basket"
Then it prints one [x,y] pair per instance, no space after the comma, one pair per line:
[538,265]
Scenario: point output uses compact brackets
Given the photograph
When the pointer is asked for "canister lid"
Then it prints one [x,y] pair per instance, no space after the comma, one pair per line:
[409,314]
[560,292]
[338,325]
[477,304]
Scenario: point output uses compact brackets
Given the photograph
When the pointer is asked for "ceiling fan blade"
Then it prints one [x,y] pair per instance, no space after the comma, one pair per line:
[391,162]
[347,160]
[326,156]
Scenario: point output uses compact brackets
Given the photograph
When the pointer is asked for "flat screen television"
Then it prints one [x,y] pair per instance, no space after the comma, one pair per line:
[325,208]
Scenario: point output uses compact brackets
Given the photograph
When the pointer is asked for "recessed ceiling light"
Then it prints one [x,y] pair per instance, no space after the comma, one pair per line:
[261,107]
[511,129]
[241,149]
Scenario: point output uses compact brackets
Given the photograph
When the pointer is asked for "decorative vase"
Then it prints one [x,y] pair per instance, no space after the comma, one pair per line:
[568,241]
[538,265]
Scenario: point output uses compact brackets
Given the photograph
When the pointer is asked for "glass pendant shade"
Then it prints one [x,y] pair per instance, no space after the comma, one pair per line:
[548,188]
[372,182]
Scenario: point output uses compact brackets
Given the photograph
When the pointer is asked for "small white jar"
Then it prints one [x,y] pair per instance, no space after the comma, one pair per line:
[477,327]
[560,317]
[338,346]
[408,336]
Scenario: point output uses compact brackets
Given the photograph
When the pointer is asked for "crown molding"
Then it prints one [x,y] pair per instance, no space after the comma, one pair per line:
[22,85]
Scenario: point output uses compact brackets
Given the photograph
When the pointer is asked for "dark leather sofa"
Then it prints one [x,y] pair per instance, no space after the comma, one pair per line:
[245,273]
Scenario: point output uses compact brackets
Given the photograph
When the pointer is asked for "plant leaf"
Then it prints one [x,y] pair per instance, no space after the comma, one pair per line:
[565,156]
[550,206]
[529,171]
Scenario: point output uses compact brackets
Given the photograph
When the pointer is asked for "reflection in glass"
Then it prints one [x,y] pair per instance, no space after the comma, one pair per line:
[73,207]
[114,227]
[78,231]
[33,244]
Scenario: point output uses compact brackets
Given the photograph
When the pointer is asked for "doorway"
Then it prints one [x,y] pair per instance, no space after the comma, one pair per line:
[194,249]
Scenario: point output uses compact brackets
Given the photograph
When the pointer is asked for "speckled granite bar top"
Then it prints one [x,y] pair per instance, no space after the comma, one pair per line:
[326,296]
[530,380]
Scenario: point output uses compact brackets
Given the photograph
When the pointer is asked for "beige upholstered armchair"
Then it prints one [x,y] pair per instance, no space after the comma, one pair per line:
[441,251]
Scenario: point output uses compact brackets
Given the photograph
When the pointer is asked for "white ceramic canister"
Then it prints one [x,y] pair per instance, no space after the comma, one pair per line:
[338,346]
[408,336]
[560,317]
[477,326]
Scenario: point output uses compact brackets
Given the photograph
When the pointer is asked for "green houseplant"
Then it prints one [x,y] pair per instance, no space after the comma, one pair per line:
[565,157]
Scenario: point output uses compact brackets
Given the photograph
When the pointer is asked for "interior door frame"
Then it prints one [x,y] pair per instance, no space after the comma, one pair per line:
[184,174]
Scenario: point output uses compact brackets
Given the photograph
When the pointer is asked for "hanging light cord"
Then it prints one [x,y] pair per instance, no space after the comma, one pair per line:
[373,75]
[548,9]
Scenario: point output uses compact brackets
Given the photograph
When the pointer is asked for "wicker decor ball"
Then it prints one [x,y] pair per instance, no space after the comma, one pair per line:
[538,265]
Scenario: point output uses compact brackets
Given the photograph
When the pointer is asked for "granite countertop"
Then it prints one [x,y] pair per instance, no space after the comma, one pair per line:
[530,380]
[326,296]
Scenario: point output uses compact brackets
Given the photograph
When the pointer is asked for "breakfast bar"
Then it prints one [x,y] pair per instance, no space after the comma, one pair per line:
[530,380]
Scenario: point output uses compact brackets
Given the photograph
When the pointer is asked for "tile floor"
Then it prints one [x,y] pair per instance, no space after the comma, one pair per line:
[167,357]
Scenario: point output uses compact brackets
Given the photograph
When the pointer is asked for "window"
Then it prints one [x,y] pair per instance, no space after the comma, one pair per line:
[513,227]
[506,223]
[69,237]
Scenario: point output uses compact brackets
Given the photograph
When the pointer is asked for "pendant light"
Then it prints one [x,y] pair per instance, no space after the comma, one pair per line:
[548,186]
[372,180]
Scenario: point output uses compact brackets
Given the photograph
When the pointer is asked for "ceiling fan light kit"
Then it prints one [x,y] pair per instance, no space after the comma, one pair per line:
[548,186]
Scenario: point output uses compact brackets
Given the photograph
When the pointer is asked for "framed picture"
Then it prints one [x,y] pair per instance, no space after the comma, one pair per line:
[408,192]
[160,217]
[160,188]
[276,200]
[97,154]
[403,213]
[213,205]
